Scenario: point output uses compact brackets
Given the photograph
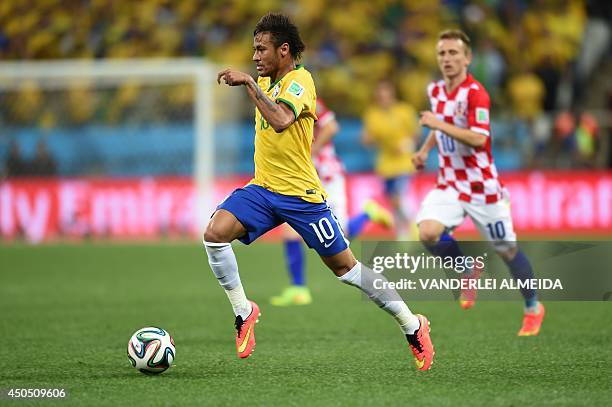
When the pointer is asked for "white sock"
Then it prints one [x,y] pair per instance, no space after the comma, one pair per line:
[240,304]
[223,263]
[389,300]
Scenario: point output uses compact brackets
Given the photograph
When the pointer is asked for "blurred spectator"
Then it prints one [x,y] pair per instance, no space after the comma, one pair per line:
[43,164]
[553,31]
[576,140]
[587,139]
[349,41]
[124,101]
[595,43]
[550,76]
[488,66]
[15,165]
[564,141]
[542,130]
[526,92]
[350,44]
[26,103]
[412,81]
[80,103]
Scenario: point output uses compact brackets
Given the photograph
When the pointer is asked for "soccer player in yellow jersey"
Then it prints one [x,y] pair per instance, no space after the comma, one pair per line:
[392,127]
[286,188]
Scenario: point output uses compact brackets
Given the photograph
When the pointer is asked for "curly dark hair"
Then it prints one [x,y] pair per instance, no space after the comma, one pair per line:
[282,30]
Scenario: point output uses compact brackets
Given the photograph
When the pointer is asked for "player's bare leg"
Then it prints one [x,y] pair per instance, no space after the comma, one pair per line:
[508,255]
[222,229]
[416,327]
[430,232]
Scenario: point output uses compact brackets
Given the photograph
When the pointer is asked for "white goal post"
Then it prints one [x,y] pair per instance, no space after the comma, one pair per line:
[54,75]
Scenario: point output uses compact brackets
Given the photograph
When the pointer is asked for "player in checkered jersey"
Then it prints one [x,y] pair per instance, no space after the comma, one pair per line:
[332,174]
[468,183]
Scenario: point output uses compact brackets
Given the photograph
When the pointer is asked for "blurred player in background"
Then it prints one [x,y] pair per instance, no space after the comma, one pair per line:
[391,126]
[332,174]
[468,182]
[286,188]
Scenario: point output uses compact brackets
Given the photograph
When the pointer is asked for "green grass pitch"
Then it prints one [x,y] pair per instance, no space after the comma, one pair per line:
[68,312]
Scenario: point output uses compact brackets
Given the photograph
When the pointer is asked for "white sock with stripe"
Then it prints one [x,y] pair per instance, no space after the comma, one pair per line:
[389,300]
[223,263]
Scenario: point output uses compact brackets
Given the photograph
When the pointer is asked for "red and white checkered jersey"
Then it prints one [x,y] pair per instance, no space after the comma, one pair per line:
[469,170]
[326,162]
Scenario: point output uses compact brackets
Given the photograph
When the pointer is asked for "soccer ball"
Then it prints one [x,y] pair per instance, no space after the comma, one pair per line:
[151,350]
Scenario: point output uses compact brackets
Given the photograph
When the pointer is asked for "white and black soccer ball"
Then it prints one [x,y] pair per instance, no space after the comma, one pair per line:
[151,350]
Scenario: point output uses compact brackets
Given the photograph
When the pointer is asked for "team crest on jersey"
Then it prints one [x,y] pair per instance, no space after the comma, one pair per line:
[482,115]
[460,108]
[276,91]
[295,89]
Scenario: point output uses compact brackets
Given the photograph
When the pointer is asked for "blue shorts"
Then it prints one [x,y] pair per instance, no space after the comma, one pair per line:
[260,211]
[397,186]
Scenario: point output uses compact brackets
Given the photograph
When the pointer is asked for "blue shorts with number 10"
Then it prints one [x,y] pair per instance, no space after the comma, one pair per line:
[260,210]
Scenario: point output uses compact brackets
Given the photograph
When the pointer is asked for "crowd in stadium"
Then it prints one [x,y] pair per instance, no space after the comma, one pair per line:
[535,57]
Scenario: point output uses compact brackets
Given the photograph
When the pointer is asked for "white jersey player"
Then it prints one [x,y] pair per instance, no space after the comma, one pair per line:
[468,182]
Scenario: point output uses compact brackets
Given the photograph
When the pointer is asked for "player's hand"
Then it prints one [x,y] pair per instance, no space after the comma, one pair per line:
[233,77]
[418,160]
[428,119]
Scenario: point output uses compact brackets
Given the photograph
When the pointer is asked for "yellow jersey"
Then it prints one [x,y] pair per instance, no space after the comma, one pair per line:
[393,132]
[283,163]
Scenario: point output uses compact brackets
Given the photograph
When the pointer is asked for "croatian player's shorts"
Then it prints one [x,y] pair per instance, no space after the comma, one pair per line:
[493,221]
[336,197]
[260,211]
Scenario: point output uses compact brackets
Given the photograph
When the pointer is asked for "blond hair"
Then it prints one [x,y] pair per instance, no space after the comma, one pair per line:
[456,34]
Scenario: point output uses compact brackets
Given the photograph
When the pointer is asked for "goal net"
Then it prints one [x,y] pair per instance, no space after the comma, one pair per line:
[113,122]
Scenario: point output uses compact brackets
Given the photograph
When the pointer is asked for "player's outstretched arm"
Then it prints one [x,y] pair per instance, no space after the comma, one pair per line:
[420,157]
[466,136]
[279,115]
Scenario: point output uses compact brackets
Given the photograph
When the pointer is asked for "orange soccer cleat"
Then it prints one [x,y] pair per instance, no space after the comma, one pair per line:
[467,299]
[421,346]
[532,322]
[245,336]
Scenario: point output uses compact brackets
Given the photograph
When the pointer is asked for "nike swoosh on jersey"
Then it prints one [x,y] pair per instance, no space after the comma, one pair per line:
[245,341]
[330,243]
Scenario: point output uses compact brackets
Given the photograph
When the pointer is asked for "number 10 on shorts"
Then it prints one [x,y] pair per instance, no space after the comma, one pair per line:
[324,230]
[496,230]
